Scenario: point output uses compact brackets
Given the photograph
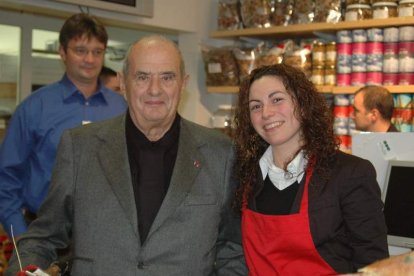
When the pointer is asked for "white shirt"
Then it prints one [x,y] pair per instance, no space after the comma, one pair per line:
[281,179]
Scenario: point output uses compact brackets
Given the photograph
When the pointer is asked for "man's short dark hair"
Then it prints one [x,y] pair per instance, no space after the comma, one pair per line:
[82,24]
[378,97]
[107,72]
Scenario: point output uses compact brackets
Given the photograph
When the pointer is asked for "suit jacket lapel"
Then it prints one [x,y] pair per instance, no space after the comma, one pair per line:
[187,165]
[113,157]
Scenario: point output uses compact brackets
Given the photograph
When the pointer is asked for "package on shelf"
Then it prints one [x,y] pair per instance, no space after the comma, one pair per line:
[228,15]
[403,100]
[303,12]
[220,66]
[255,13]
[246,59]
[327,11]
[403,119]
[281,12]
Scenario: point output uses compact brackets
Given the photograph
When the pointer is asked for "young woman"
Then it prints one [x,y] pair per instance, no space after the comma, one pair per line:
[307,208]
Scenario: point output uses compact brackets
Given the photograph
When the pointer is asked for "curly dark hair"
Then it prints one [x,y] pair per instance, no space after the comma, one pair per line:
[312,112]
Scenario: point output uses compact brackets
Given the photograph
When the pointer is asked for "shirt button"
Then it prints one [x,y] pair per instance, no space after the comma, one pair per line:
[87,103]
[141,265]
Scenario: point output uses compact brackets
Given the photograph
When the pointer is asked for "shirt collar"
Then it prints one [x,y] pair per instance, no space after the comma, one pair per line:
[280,178]
[72,91]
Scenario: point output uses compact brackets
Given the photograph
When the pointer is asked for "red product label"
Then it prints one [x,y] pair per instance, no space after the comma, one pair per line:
[406,48]
[358,78]
[341,111]
[391,48]
[343,79]
[359,48]
[375,48]
[390,79]
[344,48]
[405,78]
[374,78]
[402,115]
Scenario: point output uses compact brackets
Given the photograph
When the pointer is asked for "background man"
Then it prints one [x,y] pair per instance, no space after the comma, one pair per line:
[110,79]
[373,108]
[147,193]
[28,151]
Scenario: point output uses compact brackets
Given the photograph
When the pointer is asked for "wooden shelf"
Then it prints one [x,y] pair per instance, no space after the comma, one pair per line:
[395,89]
[301,30]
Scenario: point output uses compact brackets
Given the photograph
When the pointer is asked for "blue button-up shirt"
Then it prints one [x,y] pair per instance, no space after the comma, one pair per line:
[29,148]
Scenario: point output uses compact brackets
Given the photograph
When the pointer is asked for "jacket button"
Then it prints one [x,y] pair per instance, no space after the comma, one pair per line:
[141,265]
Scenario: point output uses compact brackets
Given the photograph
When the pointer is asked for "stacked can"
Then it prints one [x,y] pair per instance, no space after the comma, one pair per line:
[375,55]
[403,112]
[344,58]
[359,57]
[342,111]
[390,63]
[406,55]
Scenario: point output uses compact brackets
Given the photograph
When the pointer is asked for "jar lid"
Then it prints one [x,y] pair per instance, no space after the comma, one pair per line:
[358,6]
[380,4]
[406,1]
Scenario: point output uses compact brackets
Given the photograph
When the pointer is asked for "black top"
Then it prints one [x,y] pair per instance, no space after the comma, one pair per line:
[392,128]
[272,201]
[151,164]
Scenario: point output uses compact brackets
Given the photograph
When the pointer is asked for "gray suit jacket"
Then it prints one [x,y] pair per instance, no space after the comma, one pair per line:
[91,204]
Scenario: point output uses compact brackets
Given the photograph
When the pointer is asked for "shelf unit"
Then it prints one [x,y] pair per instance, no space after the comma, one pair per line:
[312,30]
[322,89]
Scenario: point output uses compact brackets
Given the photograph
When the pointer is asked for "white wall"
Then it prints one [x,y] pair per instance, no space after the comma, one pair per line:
[191,20]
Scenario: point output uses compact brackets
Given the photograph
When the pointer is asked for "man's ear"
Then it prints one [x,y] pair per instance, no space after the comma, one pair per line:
[375,115]
[62,53]
[122,83]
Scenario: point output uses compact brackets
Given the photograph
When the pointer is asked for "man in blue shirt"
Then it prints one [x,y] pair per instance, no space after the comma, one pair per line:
[28,151]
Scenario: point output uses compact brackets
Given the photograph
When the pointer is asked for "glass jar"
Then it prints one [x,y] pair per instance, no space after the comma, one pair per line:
[384,10]
[318,54]
[389,1]
[406,8]
[330,53]
[222,119]
[358,12]
[330,75]
[318,75]
[352,2]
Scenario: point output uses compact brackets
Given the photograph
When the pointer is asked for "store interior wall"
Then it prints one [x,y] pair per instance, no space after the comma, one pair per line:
[189,22]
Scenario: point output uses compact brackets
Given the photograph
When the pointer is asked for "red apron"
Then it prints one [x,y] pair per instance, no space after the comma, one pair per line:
[282,244]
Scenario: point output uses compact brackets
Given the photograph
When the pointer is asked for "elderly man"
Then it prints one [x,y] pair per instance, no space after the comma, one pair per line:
[147,193]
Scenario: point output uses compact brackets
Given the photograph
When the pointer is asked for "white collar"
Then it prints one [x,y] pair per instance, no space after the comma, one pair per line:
[281,179]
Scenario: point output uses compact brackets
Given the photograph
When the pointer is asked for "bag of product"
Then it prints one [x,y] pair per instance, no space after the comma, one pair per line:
[229,15]
[220,66]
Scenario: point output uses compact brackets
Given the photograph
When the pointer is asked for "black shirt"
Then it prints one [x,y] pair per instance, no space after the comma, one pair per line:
[151,164]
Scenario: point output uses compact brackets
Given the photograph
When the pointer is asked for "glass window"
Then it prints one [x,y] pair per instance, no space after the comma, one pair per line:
[9,72]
